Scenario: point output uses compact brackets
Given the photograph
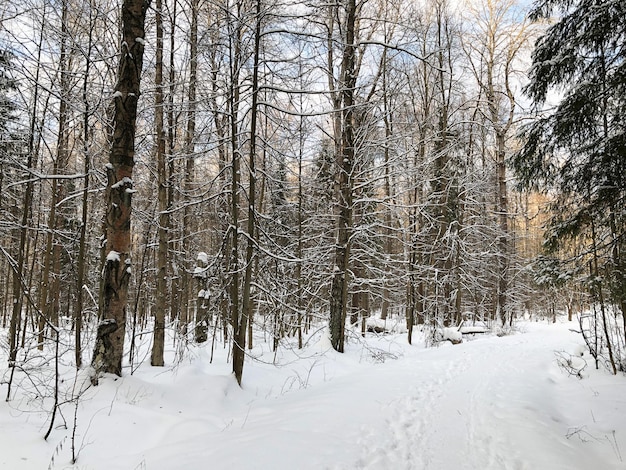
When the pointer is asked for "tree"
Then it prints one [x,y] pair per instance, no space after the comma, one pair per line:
[161,293]
[434,171]
[18,264]
[50,288]
[492,48]
[240,321]
[344,103]
[188,182]
[109,347]
[443,199]
[577,149]
[86,150]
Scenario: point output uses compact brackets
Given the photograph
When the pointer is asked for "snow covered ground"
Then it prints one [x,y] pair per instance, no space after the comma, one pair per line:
[491,403]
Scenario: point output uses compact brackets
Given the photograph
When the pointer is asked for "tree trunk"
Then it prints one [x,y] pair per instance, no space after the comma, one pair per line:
[161,293]
[388,121]
[233,98]
[503,240]
[190,161]
[343,193]
[239,341]
[173,187]
[82,247]
[116,273]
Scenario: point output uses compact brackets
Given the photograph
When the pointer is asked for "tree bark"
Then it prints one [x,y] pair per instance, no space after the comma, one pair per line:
[239,342]
[345,164]
[189,178]
[116,273]
[233,98]
[82,249]
[503,223]
[161,293]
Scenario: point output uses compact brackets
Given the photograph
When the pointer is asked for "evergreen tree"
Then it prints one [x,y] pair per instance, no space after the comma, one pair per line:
[7,86]
[11,146]
[578,148]
[9,136]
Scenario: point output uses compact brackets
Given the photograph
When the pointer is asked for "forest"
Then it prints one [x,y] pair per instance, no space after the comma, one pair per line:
[176,173]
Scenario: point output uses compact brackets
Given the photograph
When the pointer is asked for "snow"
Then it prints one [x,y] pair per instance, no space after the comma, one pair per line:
[451,334]
[204,294]
[199,272]
[203,258]
[125,181]
[490,403]
[113,256]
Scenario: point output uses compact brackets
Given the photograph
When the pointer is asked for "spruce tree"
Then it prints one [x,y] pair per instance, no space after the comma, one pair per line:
[11,147]
[577,148]
[9,159]
[9,135]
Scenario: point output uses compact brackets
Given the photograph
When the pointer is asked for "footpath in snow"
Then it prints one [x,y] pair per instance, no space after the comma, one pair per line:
[492,403]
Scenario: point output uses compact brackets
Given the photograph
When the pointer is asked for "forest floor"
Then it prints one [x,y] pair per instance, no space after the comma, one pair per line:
[490,403]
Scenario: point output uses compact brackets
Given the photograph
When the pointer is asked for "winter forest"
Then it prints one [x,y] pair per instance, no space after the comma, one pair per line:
[243,200]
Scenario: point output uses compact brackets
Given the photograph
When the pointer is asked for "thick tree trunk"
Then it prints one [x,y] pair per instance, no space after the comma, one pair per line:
[117,264]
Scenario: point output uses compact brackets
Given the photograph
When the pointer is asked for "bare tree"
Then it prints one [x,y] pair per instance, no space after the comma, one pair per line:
[492,48]
[345,146]
[241,324]
[188,181]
